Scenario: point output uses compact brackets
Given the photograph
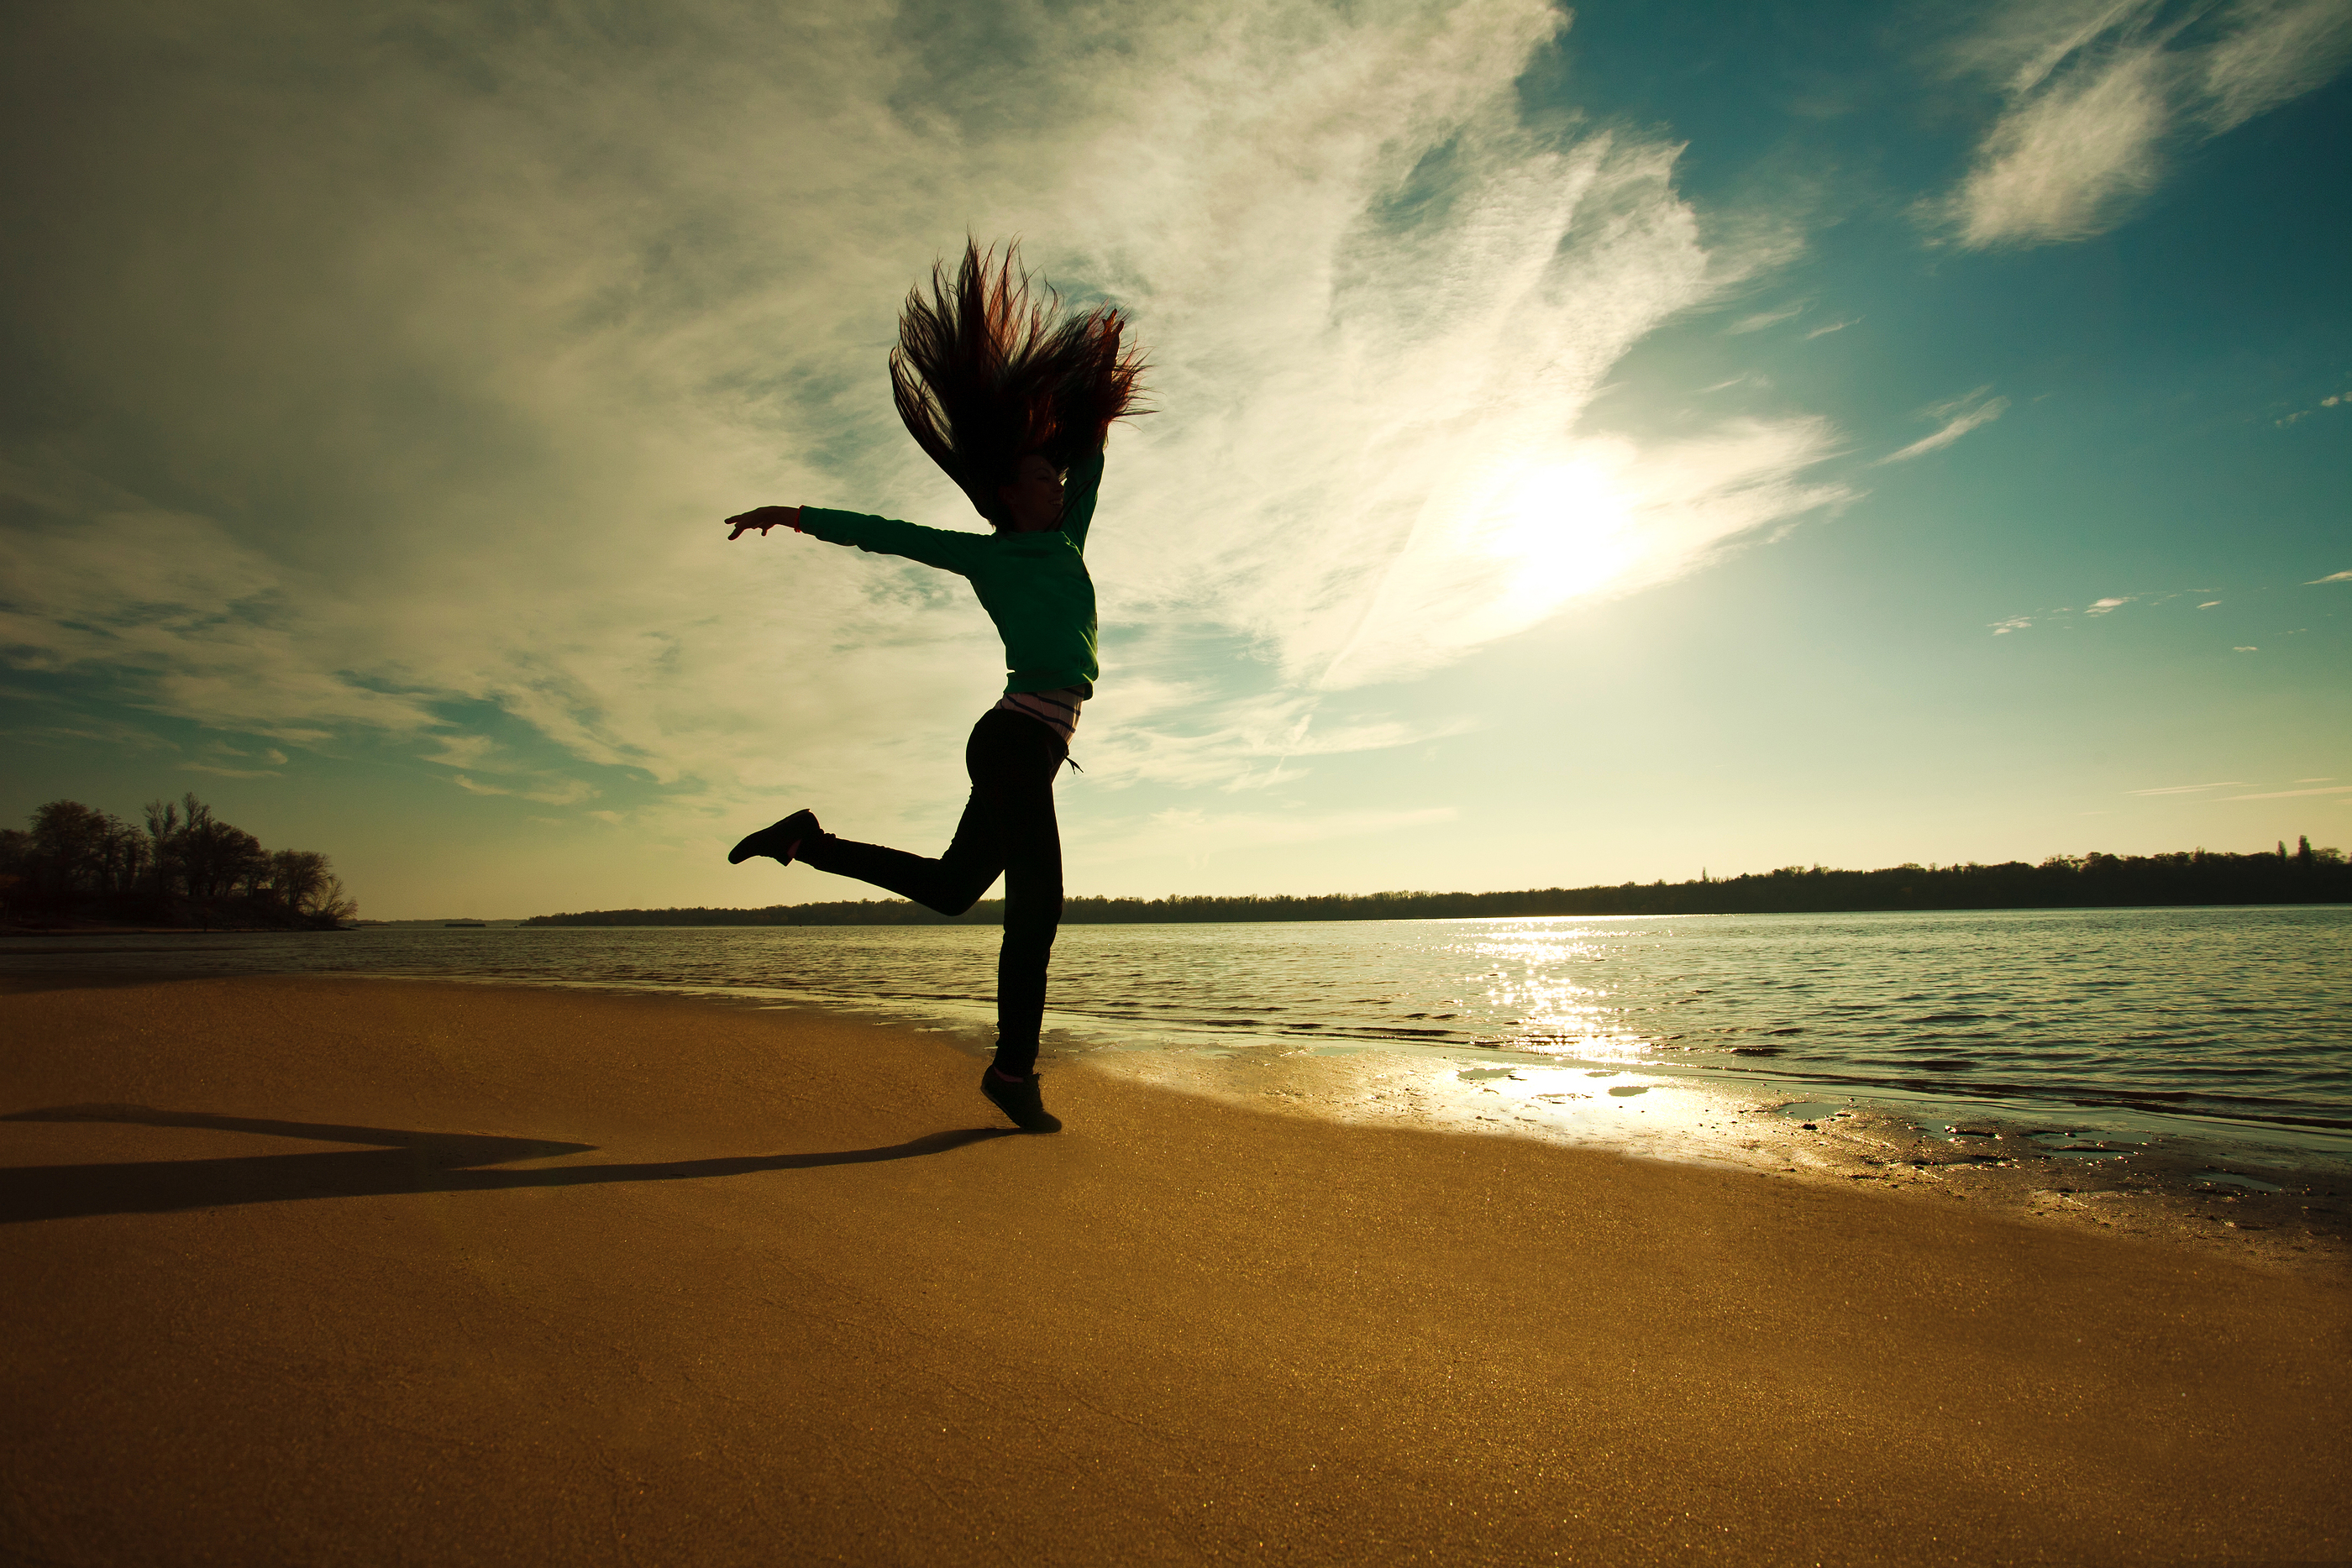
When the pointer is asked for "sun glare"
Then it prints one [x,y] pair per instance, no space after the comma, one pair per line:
[1566,529]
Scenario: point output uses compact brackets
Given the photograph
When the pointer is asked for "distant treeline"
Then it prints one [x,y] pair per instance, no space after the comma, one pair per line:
[2303,875]
[180,866]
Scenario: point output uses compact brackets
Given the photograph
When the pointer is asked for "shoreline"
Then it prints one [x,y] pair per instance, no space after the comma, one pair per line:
[2194,1186]
[2284,1209]
[500,1274]
[2286,1217]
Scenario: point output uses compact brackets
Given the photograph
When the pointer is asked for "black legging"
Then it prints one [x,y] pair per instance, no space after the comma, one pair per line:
[1008,827]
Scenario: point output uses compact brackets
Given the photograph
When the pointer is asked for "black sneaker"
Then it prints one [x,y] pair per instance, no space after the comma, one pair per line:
[1020,1102]
[777,838]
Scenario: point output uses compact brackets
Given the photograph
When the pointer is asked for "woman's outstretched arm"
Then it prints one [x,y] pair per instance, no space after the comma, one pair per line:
[946,549]
[763,518]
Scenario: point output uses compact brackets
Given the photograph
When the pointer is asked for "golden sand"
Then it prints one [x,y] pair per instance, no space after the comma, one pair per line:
[372,1271]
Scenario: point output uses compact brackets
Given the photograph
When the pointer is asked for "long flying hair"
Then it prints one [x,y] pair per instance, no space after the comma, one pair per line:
[986,373]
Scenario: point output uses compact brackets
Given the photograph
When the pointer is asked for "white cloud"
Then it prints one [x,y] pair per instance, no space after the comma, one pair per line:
[450,347]
[2097,91]
[1198,833]
[1168,734]
[2331,577]
[229,761]
[564,794]
[2065,615]
[2187,789]
[457,750]
[2292,794]
[2281,50]
[1959,417]
[2020,44]
[2334,400]
[2068,162]
[207,624]
[1764,319]
[105,731]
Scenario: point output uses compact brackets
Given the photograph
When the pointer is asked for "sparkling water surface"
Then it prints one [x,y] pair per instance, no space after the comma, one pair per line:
[2229,1016]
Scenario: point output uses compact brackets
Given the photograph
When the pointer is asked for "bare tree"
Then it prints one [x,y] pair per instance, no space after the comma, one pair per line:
[163,843]
[69,848]
[216,858]
[297,877]
[15,866]
[330,905]
[125,858]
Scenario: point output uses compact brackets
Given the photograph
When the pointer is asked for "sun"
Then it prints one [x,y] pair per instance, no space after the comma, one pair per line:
[1564,529]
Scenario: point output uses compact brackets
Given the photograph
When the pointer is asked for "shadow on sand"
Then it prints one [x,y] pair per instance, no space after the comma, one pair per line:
[400,1163]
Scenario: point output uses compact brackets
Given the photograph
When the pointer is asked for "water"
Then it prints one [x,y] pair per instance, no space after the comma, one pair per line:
[2229,1019]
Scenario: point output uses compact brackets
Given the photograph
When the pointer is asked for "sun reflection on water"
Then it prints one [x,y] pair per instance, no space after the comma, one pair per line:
[1549,1013]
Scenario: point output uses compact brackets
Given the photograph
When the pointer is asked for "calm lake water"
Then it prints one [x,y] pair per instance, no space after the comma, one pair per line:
[2231,1018]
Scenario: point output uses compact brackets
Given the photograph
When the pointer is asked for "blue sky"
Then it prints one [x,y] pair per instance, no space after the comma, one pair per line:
[1593,445]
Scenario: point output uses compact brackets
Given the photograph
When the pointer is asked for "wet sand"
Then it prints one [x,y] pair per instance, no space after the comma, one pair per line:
[2280,1209]
[306,1271]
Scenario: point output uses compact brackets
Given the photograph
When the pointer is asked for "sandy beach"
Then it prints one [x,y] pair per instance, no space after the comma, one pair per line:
[381,1271]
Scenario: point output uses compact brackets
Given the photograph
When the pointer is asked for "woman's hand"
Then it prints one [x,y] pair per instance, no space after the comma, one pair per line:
[763,518]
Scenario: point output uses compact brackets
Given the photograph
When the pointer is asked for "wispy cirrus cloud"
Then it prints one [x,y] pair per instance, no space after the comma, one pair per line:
[2334,400]
[1164,732]
[2098,92]
[1959,417]
[1199,833]
[2292,794]
[1763,319]
[564,794]
[2069,160]
[232,772]
[2068,614]
[225,761]
[2274,51]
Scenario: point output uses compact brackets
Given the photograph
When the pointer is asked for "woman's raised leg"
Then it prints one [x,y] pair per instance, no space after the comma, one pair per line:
[1008,827]
[949,885]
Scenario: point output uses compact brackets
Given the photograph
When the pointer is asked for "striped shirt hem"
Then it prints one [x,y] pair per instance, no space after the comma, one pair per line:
[1057,710]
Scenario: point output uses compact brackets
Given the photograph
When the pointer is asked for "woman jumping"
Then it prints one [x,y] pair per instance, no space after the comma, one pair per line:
[1010,397]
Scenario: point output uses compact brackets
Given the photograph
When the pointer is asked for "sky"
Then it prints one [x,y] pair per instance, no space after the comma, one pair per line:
[1597,443]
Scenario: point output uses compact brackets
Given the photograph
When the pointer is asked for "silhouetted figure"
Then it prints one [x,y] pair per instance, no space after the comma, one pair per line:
[1014,399]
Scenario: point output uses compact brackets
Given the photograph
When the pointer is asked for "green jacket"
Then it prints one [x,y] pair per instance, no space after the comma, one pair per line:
[1033,586]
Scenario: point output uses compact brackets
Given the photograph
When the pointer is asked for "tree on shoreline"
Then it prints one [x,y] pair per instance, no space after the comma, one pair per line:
[182,866]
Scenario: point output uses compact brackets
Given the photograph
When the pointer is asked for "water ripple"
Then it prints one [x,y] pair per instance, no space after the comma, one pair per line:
[2234,1014]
